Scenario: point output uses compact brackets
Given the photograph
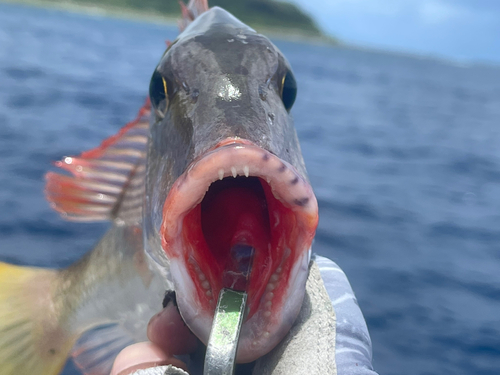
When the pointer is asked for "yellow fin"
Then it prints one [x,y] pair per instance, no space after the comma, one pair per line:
[34,335]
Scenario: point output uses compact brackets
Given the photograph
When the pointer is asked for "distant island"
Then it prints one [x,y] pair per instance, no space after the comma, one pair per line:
[278,17]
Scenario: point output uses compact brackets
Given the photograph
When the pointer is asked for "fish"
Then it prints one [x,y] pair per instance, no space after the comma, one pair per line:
[206,189]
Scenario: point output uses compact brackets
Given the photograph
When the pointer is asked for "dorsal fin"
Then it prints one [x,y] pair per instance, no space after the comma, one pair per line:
[106,182]
[191,11]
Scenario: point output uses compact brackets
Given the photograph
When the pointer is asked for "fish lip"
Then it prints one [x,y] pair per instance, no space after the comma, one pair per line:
[304,200]
[243,158]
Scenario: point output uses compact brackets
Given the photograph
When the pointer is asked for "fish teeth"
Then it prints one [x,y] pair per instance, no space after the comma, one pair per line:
[246,170]
[233,171]
[221,174]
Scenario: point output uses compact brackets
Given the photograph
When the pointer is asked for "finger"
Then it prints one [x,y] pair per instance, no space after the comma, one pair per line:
[141,356]
[169,332]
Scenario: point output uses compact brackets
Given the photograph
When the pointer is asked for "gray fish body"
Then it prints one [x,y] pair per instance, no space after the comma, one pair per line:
[114,283]
[224,81]
[221,96]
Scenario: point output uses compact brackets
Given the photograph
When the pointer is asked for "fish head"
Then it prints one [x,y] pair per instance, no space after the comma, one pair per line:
[228,200]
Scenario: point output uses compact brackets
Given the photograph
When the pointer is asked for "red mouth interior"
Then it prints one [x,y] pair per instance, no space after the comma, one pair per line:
[234,212]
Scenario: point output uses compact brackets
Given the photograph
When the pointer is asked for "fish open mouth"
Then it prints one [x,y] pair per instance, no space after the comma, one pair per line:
[240,218]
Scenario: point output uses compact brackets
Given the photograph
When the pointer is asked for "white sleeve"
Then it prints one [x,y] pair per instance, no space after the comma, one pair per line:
[353,347]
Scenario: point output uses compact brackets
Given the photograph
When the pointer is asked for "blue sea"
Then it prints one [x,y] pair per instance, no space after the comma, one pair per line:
[403,153]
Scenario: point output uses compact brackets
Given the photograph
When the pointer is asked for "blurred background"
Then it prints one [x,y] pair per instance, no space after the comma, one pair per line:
[398,115]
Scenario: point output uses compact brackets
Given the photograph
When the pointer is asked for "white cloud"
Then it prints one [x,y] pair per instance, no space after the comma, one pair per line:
[435,12]
[455,28]
[431,11]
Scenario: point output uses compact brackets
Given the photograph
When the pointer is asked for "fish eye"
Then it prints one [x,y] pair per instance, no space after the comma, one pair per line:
[288,90]
[158,89]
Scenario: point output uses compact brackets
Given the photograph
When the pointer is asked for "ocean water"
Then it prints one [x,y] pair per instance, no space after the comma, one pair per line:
[403,154]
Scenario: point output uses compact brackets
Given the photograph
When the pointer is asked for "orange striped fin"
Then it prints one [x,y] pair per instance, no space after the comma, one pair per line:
[101,177]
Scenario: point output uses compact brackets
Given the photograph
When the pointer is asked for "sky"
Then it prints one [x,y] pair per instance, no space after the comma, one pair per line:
[464,30]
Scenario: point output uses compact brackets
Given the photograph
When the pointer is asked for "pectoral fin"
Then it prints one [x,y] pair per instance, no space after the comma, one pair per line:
[96,350]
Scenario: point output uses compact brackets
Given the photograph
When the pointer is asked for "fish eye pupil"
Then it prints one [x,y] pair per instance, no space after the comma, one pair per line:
[289,90]
[158,91]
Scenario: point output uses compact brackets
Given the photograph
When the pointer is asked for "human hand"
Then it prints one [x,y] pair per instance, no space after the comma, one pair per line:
[168,336]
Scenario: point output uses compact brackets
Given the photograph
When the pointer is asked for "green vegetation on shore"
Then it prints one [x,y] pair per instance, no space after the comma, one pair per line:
[270,15]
